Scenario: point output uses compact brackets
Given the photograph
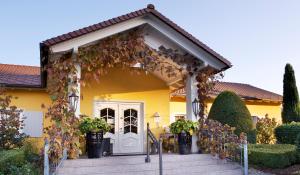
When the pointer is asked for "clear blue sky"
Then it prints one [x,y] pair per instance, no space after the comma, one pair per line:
[259,36]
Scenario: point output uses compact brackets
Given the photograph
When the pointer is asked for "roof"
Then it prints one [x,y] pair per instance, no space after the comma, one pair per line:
[149,10]
[29,76]
[245,91]
[19,75]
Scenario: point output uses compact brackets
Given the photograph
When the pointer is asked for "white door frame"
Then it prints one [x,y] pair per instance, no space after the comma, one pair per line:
[142,115]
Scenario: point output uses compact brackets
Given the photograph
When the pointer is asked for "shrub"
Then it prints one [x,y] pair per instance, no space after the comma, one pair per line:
[272,156]
[298,147]
[11,123]
[251,136]
[25,161]
[14,162]
[265,130]
[228,108]
[287,133]
[89,124]
[180,125]
[290,110]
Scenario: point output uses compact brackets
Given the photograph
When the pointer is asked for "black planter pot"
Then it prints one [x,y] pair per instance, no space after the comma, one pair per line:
[94,144]
[184,143]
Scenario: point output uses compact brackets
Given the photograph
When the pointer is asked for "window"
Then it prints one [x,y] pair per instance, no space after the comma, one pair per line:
[108,115]
[176,117]
[130,121]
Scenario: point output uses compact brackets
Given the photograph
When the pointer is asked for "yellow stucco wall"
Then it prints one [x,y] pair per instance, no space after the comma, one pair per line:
[31,100]
[259,109]
[123,85]
[117,85]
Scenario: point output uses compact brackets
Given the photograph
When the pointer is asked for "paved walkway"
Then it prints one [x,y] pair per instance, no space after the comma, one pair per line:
[173,164]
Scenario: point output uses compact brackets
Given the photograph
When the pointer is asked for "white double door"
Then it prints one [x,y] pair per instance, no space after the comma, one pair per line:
[126,125]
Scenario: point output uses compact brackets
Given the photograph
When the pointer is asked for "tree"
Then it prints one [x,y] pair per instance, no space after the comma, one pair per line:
[290,110]
[228,108]
[11,123]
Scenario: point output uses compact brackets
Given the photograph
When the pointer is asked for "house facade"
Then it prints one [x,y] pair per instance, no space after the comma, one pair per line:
[127,101]
[259,102]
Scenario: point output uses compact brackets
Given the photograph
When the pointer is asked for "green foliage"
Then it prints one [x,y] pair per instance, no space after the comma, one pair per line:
[290,111]
[298,148]
[10,123]
[216,138]
[228,108]
[298,141]
[88,124]
[13,162]
[251,136]
[272,156]
[287,133]
[180,125]
[265,130]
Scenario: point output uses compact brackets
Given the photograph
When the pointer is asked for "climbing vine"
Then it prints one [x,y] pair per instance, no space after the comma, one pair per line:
[118,51]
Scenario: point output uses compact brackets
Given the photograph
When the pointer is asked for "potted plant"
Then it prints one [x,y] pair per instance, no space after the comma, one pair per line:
[94,129]
[184,129]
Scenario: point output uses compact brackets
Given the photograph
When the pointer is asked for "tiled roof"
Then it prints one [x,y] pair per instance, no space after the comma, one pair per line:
[29,76]
[149,10]
[20,76]
[245,91]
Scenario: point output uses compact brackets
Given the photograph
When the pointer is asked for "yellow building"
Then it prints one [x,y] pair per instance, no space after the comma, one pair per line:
[125,100]
[259,102]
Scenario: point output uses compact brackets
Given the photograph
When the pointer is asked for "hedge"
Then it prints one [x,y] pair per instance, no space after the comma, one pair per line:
[14,162]
[272,156]
[287,133]
[229,108]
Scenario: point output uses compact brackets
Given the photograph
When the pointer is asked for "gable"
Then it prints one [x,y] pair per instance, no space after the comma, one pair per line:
[157,22]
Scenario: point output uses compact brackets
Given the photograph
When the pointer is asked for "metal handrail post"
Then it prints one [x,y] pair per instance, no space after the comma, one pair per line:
[245,159]
[46,158]
[160,157]
[147,159]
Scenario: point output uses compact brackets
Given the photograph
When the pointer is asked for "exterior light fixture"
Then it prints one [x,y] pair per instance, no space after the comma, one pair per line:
[196,107]
[73,100]
[156,118]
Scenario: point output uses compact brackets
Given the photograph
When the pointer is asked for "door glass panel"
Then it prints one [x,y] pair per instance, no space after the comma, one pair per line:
[130,121]
[108,115]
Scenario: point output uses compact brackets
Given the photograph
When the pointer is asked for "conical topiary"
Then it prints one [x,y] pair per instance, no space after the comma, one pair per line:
[228,108]
[290,96]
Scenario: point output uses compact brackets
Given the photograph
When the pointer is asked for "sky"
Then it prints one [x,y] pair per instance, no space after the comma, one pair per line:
[259,36]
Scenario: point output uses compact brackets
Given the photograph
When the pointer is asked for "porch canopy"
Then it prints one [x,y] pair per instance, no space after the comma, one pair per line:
[157,31]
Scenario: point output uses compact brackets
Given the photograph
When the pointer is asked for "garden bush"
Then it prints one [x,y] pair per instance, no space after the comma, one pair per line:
[272,156]
[23,161]
[251,136]
[228,108]
[298,147]
[287,133]
[265,130]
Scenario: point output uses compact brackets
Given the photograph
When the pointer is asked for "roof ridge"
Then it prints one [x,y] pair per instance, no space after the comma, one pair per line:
[19,65]
[97,26]
[252,86]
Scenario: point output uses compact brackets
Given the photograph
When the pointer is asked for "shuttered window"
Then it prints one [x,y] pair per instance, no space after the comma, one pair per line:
[33,123]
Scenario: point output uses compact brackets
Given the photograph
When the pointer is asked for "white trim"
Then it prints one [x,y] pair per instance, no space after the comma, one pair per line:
[160,26]
[97,35]
[172,116]
[191,94]
[184,43]
[142,115]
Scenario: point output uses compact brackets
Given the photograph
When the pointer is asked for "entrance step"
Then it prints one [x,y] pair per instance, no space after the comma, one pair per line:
[173,164]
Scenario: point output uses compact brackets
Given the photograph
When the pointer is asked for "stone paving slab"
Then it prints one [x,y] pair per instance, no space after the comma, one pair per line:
[173,164]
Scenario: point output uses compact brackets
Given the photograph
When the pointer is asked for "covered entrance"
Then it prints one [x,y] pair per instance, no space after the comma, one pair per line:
[126,123]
